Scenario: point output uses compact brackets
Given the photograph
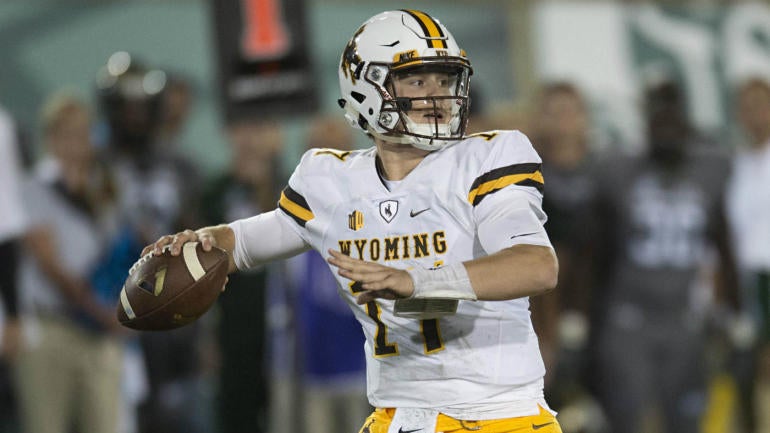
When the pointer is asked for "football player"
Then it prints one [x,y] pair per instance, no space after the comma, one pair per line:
[436,239]
[662,218]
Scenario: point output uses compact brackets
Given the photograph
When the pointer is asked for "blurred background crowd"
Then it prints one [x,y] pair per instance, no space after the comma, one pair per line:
[124,120]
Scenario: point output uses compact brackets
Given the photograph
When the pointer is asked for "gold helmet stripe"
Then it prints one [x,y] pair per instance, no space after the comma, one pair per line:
[431,29]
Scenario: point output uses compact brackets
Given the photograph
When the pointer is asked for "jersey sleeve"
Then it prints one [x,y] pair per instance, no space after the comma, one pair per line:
[293,205]
[313,190]
[507,195]
[277,234]
[263,238]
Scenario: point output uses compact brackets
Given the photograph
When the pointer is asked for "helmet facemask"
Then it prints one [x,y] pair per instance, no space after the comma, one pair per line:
[425,105]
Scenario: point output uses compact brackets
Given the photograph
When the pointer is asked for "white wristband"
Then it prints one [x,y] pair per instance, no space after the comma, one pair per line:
[446,282]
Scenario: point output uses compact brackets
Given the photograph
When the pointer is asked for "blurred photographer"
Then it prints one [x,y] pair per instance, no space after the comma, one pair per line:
[156,194]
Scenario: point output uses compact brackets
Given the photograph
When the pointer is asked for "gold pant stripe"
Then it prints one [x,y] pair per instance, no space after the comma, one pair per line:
[544,422]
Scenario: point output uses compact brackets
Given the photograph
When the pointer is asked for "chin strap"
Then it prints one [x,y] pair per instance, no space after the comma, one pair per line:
[356,120]
[429,144]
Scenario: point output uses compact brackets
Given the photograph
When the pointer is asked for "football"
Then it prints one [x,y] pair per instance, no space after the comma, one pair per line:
[166,292]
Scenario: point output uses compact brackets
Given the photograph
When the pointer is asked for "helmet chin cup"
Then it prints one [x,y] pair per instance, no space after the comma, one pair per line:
[424,136]
[436,132]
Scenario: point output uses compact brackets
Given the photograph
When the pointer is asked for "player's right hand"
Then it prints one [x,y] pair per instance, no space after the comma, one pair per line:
[173,242]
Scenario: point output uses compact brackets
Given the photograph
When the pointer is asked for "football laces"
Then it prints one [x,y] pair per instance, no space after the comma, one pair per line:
[142,260]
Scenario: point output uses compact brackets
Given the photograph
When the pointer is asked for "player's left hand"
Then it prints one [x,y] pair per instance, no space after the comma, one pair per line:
[377,281]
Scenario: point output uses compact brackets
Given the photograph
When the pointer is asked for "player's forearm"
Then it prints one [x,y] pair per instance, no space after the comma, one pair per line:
[515,272]
[263,238]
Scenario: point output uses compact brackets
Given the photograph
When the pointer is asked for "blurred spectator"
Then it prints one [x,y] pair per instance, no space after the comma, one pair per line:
[748,203]
[157,195]
[177,100]
[662,217]
[249,187]
[561,134]
[155,192]
[501,117]
[12,226]
[176,106]
[69,370]
[332,365]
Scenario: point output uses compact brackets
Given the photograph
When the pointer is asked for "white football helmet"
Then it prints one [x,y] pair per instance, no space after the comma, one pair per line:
[401,42]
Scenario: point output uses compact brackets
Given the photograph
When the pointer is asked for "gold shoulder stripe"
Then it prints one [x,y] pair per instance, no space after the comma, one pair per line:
[527,174]
[431,29]
[488,135]
[339,154]
[295,206]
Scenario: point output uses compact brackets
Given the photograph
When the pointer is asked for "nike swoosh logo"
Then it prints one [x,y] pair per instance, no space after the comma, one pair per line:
[413,214]
[539,426]
[401,429]
[524,234]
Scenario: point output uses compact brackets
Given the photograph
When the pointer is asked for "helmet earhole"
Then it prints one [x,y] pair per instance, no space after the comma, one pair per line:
[362,123]
[359,97]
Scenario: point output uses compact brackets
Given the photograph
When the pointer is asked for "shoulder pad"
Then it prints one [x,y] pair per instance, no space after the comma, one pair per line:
[510,161]
[325,159]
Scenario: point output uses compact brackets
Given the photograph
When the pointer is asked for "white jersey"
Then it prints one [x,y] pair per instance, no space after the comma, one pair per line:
[483,362]
[13,220]
[748,207]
